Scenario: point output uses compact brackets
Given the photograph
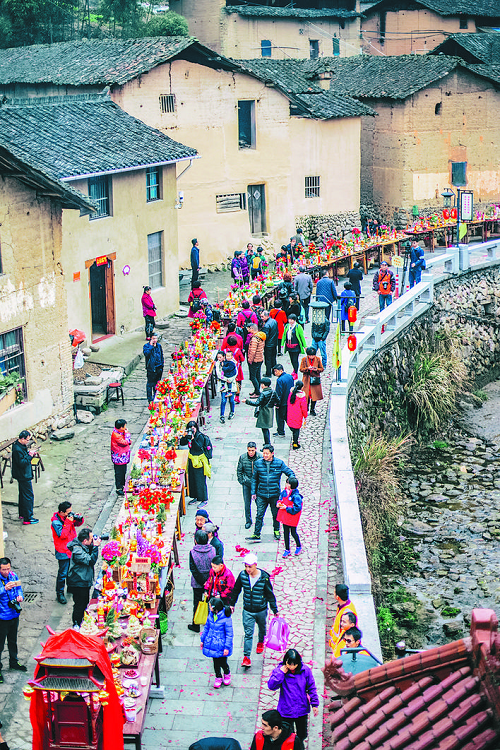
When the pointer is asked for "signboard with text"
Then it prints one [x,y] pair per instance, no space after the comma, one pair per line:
[102,260]
[466,205]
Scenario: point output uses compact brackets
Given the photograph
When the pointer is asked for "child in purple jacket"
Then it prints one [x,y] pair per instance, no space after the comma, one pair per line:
[298,692]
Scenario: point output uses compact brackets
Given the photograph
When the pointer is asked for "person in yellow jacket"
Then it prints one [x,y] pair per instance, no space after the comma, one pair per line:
[344,604]
[348,621]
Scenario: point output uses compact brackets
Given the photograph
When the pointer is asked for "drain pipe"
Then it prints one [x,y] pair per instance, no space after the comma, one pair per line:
[180,195]
[185,170]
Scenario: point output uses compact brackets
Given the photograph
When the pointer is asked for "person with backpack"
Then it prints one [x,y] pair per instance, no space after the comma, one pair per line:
[417,263]
[257,308]
[347,300]
[275,733]
[384,283]
[153,355]
[257,262]
[245,317]
[194,300]
[294,342]
[258,594]
[200,559]
[285,289]
[264,408]
[298,692]
[296,412]
[217,639]
[290,509]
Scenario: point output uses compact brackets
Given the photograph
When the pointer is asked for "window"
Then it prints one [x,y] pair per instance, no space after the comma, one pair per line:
[153,175]
[313,48]
[231,202]
[336,46]
[167,103]
[155,259]
[437,109]
[383,23]
[312,187]
[100,191]
[12,355]
[246,124]
[464,22]
[266,48]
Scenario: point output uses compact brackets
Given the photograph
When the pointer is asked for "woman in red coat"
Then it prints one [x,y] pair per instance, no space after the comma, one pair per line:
[290,508]
[296,412]
[239,358]
[195,296]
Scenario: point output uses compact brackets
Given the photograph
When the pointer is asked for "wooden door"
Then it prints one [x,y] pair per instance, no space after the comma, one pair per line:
[98,299]
[256,196]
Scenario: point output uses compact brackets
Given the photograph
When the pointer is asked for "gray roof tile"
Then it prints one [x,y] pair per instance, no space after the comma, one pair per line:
[266,11]
[474,48]
[476,8]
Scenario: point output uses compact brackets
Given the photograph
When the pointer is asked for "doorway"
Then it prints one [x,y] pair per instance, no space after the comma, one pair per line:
[257,208]
[102,299]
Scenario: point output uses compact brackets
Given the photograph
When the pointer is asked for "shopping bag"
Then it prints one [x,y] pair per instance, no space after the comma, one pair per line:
[201,614]
[278,634]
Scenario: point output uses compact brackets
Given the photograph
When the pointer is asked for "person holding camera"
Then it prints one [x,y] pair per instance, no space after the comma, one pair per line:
[22,470]
[11,596]
[199,457]
[63,525]
[84,552]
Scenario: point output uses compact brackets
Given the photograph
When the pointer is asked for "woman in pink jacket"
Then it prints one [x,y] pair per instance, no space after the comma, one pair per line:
[148,311]
[296,411]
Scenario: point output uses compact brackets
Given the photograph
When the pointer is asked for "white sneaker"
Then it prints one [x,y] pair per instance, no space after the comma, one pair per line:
[76,627]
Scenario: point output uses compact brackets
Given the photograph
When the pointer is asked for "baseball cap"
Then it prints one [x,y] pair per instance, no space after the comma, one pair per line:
[250,559]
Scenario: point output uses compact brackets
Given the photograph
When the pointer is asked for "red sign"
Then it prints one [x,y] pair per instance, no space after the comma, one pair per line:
[76,276]
[102,260]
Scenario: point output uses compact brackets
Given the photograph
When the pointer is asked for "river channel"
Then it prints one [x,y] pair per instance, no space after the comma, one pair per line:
[453,522]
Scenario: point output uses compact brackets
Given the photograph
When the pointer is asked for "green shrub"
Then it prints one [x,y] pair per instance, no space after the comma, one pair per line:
[482,395]
[450,611]
[440,445]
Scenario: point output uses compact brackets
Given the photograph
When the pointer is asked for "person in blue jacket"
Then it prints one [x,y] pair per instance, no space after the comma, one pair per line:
[153,354]
[11,596]
[347,298]
[195,261]
[417,263]
[217,639]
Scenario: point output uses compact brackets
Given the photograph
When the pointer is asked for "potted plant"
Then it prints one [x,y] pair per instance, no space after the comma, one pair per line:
[11,391]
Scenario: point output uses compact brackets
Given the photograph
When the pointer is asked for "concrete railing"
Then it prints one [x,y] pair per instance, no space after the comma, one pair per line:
[377,332]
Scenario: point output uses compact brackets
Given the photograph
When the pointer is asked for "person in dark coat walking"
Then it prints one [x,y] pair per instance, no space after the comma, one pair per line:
[200,455]
[265,408]
[326,292]
[417,263]
[257,595]
[200,559]
[244,472]
[355,276]
[284,385]
[22,471]
[153,354]
[84,553]
[266,489]
[195,261]
[270,328]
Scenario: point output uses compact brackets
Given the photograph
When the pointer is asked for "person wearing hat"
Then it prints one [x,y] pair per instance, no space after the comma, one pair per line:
[244,472]
[258,594]
[264,408]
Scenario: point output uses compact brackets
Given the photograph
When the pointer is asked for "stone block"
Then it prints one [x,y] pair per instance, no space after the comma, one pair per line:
[63,434]
[86,417]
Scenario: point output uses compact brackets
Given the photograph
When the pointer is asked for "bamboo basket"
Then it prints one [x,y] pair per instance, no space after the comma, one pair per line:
[149,632]
[169,593]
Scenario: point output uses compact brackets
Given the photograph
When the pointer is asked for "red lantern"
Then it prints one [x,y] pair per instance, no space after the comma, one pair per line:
[352,314]
[446,214]
[453,213]
[351,342]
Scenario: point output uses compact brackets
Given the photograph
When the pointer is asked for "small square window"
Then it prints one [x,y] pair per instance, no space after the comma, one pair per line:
[246,124]
[153,176]
[266,48]
[313,48]
[12,357]
[167,103]
[336,46]
[231,202]
[100,191]
[464,22]
[312,187]
[155,259]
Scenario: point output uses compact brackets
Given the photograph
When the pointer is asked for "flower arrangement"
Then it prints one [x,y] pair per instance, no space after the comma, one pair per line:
[111,552]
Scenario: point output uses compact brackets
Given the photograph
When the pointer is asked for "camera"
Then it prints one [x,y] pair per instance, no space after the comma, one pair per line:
[77,518]
[104,537]
[189,433]
[13,604]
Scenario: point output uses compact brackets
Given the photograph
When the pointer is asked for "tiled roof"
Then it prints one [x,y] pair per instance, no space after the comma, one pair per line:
[481,47]
[295,79]
[94,62]
[444,698]
[378,77]
[273,12]
[488,71]
[74,136]
[476,8]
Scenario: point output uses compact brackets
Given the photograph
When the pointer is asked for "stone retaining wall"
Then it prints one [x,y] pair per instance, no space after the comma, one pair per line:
[331,225]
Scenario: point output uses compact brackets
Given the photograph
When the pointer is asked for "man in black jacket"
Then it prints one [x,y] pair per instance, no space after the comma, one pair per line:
[284,385]
[266,489]
[270,328]
[244,472]
[22,470]
[153,354]
[84,552]
[275,733]
[257,594]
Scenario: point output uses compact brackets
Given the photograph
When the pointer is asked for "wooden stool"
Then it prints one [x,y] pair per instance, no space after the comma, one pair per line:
[117,387]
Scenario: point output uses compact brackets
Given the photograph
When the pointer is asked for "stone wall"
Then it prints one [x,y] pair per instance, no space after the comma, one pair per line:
[331,225]
[467,308]
[400,217]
